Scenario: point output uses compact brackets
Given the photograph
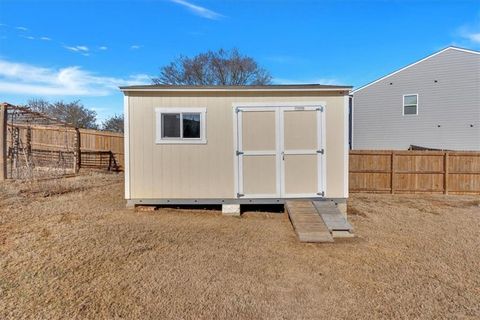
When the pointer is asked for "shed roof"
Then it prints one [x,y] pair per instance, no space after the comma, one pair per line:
[273,87]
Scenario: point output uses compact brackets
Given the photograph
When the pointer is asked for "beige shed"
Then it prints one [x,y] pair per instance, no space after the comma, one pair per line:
[235,145]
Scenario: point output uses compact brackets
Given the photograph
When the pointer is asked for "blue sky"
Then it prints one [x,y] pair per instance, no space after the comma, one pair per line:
[69,50]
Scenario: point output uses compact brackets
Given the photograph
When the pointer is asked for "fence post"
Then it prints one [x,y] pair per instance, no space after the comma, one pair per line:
[445,173]
[16,148]
[3,141]
[392,173]
[28,144]
[110,156]
[77,154]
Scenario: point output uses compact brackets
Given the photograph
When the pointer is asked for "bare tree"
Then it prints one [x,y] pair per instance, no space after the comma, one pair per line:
[73,112]
[114,123]
[222,67]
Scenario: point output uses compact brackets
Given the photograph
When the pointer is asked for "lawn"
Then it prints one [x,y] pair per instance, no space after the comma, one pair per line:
[70,249]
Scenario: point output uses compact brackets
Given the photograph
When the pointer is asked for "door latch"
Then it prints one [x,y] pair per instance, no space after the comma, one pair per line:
[239,152]
[321,151]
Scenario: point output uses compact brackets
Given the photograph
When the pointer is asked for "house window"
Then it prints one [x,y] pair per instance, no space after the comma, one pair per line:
[180,125]
[410,104]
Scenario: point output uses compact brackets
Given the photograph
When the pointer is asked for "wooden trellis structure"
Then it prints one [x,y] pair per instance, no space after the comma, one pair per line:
[34,145]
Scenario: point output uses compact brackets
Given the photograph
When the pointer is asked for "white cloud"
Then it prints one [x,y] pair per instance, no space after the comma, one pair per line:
[103,48]
[324,81]
[22,28]
[77,48]
[29,37]
[198,10]
[45,38]
[83,50]
[472,36]
[470,33]
[26,79]
[135,47]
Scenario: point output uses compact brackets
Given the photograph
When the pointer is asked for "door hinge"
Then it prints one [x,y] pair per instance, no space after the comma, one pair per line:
[322,194]
[237,110]
[320,109]
[321,151]
[240,195]
[239,152]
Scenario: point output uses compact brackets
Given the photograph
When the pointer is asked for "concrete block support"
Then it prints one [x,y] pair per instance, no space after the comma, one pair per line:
[231,210]
[130,205]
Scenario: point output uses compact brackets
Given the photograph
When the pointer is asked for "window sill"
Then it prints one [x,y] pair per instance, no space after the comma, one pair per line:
[183,141]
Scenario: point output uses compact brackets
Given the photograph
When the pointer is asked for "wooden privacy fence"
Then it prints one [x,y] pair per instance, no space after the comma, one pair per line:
[415,172]
[101,147]
[34,145]
[98,149]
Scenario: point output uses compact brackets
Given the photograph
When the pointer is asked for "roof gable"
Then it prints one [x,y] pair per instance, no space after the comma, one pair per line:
[415,63]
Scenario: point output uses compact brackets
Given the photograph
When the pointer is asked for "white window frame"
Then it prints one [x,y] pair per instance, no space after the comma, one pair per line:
[409,105]
[158,126]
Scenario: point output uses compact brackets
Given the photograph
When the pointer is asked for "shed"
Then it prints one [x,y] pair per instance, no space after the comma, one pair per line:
[235,145]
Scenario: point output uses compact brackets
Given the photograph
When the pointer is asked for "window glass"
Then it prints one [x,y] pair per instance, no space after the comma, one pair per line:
[409,100]
[410,104]
[410,110]
[170,125]
[180,125]
[191,125]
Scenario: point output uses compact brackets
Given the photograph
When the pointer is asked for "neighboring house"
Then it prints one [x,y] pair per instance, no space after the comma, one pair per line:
[432,103]
[235,144]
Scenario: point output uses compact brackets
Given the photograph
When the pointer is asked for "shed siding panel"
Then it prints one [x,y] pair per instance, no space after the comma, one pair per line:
[453,103]
[203,171]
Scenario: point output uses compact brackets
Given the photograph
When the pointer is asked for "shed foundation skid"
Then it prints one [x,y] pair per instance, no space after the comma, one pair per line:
[259,201]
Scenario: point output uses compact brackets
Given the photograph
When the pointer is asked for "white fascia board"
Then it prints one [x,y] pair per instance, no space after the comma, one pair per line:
[235,90]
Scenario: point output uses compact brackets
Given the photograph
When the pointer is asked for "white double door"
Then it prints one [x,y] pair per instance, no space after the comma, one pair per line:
[280,151]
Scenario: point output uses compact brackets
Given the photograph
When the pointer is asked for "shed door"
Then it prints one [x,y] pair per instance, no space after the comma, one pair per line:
[302,152]
[257,153]
[279,152]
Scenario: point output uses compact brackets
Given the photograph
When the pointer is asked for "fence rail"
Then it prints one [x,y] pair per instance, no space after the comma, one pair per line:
[415,172]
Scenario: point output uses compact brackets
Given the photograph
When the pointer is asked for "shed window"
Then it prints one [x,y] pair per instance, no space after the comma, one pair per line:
[171,125]
[180,125]
[410,104]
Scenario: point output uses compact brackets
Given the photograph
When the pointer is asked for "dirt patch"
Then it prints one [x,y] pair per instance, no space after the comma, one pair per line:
[80,254]
[354,211]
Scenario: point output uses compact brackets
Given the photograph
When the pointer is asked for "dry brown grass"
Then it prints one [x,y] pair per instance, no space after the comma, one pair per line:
[70,250]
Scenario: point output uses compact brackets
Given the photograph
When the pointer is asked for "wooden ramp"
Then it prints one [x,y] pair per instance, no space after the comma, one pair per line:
[333,218]
[306,221]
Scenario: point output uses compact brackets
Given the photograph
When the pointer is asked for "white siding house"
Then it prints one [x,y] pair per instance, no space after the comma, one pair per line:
[432,103]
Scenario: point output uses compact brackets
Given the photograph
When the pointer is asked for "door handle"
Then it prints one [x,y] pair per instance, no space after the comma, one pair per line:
[283,156]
